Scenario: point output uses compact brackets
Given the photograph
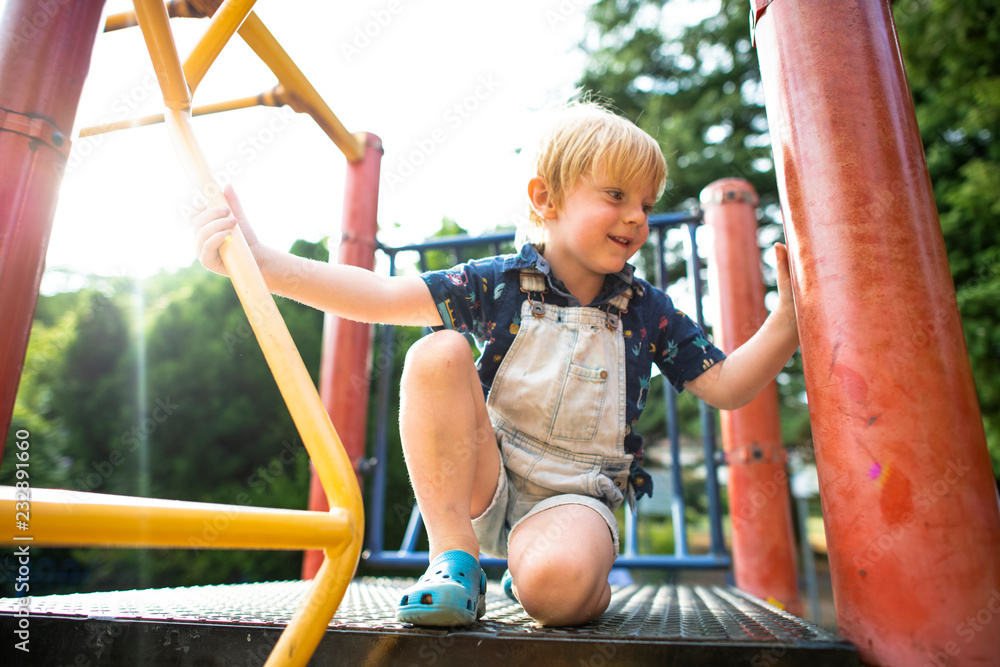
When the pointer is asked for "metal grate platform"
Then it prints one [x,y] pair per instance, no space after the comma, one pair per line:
[238,625]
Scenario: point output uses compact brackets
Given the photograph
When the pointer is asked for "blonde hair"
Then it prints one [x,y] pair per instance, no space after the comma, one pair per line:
[582,136]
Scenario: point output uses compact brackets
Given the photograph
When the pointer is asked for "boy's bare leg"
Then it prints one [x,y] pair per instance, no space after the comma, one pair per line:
[450,449]
[560,560]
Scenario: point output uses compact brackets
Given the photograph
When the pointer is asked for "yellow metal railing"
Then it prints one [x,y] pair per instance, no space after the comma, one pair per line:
[232,16]
[66,518]
[275,97]
[70,518]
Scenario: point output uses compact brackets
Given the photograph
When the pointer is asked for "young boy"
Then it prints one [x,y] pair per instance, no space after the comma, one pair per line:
[527,454]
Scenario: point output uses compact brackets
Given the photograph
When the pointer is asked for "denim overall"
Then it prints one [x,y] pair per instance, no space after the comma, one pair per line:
[558,410]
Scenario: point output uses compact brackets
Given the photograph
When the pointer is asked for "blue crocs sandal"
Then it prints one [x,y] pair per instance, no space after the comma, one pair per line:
[507,582]
[451,592]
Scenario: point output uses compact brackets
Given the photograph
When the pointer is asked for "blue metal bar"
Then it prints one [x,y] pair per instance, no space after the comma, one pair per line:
[403,558]
[717,541]
[452,242]
[631,533]
[407,555]
[658,221]
[808,558]
[678,517]
[376,523]
[648,562]
[412,533]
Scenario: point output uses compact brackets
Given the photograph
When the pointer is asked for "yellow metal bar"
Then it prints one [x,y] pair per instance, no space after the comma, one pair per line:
[302,635]
[120,21]
[224,24]
[175,9]
[303,97]
[333,467]
[67,518]
[155,25]
[270,98]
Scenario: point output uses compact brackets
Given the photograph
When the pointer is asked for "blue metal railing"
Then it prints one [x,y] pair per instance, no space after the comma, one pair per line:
[407,554]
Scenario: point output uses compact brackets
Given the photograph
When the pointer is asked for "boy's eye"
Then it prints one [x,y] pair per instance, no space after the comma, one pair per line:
[616,194]
[648,210]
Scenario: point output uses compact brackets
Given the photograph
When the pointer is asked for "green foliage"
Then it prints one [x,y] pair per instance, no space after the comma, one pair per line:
[952,56]
[698,93]
[388,356]
[213,426]
[697,90]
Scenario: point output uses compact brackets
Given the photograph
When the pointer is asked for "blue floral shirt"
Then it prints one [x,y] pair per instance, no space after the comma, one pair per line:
[482,298]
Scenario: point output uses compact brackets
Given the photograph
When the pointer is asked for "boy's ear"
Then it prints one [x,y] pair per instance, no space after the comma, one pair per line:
[541,198]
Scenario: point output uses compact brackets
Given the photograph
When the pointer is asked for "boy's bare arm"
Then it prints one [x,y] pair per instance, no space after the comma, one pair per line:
[348,291]
[735,381]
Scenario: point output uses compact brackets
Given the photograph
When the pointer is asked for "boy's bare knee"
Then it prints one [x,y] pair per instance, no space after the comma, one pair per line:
[437,351]
[565,592]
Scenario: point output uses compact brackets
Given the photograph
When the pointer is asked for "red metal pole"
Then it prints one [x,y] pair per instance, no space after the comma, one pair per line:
[911,511]
[45,50]
[344,370]
[760,514]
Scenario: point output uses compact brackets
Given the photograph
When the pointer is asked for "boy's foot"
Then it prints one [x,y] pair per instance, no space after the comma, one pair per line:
[507,582]
[451,592]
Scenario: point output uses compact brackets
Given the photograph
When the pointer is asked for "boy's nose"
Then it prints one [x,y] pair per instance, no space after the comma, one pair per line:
[635,215]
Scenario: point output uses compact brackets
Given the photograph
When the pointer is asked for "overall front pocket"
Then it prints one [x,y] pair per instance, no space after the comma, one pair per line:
[580,403]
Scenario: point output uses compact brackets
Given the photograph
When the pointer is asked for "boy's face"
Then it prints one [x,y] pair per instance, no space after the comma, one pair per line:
[601,223]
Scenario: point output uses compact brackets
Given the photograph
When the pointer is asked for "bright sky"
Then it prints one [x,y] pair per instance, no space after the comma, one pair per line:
[449,86]
[446,85]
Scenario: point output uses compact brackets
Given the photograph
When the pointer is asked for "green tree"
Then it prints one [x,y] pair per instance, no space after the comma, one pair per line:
[213,426]
[92,400]
[399,500]
[696,88]
[697,91]
[952,56]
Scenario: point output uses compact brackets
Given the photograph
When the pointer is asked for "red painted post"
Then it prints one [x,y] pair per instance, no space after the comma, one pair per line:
[911,511]
[45,50]
[345,363]
[760,514]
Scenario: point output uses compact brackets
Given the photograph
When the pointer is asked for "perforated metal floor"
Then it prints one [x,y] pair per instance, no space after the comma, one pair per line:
[238,625]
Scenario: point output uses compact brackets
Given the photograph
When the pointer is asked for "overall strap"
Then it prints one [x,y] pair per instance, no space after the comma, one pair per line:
[618,305]
[532,281]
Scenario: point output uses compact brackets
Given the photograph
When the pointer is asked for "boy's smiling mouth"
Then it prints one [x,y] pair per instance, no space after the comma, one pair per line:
[621,240]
